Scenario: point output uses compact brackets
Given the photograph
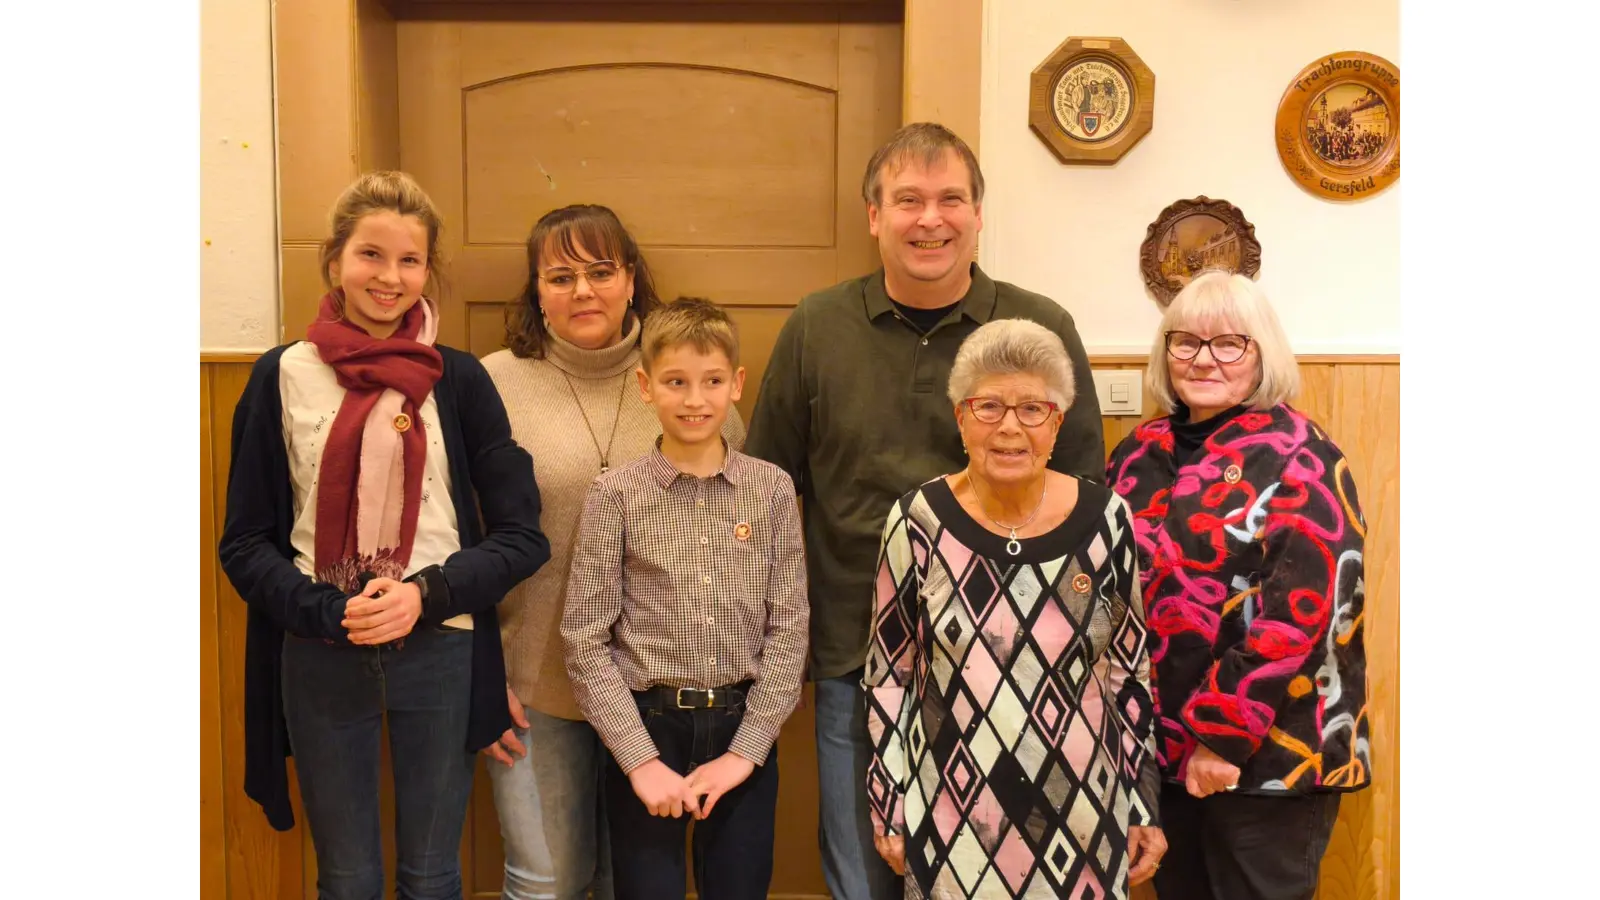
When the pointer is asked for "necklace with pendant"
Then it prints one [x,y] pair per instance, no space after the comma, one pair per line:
[605,455]
[1013,546]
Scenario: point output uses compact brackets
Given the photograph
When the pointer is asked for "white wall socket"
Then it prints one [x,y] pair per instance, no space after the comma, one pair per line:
[1121,391]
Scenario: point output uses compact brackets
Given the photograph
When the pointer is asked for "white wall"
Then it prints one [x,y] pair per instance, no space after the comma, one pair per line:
[238,178]
[1072,232]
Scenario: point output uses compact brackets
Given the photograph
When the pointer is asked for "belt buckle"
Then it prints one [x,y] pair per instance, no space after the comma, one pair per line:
[711,697]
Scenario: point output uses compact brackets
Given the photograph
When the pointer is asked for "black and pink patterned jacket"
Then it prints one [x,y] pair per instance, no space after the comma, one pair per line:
[1251,562]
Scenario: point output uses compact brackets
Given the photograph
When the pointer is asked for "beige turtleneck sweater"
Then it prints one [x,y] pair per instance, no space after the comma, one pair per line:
[547,423]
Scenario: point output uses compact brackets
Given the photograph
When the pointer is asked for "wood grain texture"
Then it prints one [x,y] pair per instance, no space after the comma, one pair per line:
[213,812]
[377,88]
[262,864]
[757,143]
[315,74]
[1111,51]
[943,56]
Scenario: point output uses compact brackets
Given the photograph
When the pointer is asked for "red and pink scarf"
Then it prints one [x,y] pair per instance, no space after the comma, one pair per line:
[369,485]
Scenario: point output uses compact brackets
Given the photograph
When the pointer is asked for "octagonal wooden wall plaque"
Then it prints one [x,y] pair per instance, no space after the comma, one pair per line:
[1091,100]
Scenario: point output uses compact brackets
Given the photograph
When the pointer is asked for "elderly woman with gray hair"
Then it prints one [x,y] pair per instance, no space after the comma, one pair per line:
[1250,540]
[1007,691]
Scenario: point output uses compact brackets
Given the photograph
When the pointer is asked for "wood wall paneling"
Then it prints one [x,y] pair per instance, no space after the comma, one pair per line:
[261,864]
[213,814]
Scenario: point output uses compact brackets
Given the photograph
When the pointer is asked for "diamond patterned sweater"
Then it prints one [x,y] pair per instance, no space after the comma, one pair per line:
[1008,700]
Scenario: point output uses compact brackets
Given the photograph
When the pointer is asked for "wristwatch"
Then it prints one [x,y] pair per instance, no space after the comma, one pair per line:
[435,590]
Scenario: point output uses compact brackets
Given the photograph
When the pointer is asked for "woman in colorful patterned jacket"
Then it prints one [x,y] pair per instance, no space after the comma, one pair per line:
[1007,677]
[1250,545]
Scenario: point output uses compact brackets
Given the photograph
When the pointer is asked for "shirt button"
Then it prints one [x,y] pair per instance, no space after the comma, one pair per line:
[704,539]
[711,660]
[700,502]
[708,620]
[706,579]
[924,342]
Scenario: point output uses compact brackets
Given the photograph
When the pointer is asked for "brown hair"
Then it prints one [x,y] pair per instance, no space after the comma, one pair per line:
[596,229]
[924,142]
[376,192]
[689,320]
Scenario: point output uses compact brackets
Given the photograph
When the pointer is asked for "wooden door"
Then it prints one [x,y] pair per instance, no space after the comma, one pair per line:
[730,141]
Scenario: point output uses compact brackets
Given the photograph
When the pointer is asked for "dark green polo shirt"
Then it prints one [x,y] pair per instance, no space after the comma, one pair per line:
[853,407]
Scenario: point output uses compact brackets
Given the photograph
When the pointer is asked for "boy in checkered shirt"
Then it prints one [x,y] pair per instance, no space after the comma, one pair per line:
[686,625]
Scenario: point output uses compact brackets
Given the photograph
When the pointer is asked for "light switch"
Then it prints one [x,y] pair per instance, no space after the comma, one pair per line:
[1119,391]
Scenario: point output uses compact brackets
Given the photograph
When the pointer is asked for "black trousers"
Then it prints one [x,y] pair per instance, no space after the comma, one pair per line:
[732,849]
[1243,847]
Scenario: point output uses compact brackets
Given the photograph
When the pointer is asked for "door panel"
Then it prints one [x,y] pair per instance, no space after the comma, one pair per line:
[724,151]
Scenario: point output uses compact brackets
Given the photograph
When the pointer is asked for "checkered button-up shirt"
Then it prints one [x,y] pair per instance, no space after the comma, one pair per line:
[687,582]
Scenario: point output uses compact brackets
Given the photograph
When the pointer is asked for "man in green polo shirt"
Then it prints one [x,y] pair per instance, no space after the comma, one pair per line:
[853,407]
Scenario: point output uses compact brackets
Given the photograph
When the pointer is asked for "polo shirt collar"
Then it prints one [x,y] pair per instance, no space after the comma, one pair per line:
[977,304]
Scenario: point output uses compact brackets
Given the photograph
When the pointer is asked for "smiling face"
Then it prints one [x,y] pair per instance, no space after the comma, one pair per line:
[926,224]
[382,270]
[583,296]
[1205,385]
[1008,452]
[691,391]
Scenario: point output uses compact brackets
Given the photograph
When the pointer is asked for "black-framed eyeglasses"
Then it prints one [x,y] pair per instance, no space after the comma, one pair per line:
[1031,413]
[1225,348]
[600,274]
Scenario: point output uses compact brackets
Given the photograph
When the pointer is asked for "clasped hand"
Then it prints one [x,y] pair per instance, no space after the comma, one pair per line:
[385,610]
[666,793]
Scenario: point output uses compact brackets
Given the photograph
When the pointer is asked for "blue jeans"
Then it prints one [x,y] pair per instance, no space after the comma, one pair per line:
[552,812]
[335,698]
[851,865]
[732,848]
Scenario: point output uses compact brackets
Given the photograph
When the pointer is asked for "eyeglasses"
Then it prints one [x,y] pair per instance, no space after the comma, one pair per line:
[1031,413]
[1225,348]
[600,274]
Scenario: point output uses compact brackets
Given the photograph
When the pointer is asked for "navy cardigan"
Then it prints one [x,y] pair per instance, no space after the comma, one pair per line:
[496,554]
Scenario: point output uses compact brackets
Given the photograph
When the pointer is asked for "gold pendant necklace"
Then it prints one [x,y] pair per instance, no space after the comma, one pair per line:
[605,455]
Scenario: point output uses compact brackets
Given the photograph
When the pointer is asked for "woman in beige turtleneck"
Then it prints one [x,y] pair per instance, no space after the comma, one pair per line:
[568,386]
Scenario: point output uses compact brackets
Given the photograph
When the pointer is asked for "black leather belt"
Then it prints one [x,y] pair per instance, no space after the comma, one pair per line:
[666,697]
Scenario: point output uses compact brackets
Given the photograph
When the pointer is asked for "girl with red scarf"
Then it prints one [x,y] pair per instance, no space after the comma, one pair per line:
[378,510]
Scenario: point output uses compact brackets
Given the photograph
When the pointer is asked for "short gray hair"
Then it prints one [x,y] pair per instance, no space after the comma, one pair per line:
[1013,347]
[1223,299]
